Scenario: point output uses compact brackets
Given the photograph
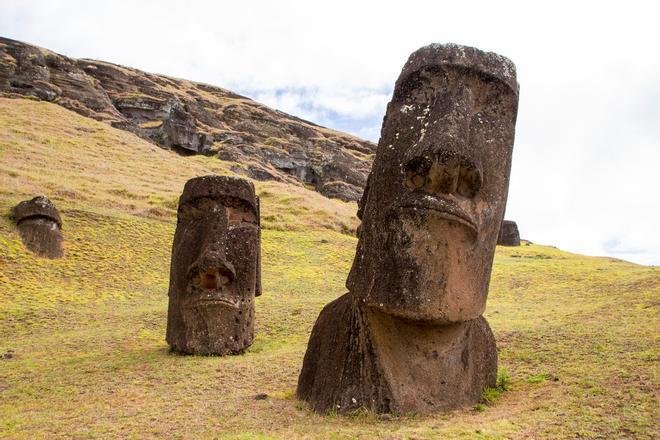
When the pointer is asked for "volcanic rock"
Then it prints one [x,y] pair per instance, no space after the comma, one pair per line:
[40,226]
[509,235]
[409,335]
[215,270]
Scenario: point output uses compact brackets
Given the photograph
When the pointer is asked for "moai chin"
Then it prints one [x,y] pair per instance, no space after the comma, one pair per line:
[215,271]
[409,335]
[40,226]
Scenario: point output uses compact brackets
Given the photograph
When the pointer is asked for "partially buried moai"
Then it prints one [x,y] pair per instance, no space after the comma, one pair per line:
[409,335]
[215,271]
[40,226]
[509,235]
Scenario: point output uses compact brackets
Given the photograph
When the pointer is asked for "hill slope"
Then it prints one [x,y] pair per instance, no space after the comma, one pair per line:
[192,117]
[577,335]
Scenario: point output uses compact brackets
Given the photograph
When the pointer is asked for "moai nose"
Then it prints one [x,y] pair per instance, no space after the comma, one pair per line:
[213,271]
[212,278]
[439,165]
[211,267]
[444,173]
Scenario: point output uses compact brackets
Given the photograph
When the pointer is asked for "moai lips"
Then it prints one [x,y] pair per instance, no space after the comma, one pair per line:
[215,270]
[409,335]
[40,226]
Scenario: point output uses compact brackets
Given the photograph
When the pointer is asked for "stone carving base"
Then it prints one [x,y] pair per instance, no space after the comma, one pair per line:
[359,357]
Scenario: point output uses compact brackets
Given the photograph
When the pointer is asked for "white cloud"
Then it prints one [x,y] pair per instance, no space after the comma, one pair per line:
[585,163]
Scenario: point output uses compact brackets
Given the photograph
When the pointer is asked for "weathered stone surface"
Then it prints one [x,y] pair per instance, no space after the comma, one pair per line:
[359,357]
[191,118]
[215,272]
[340,190]
[438,187]
[509,235]
[40,226]
[409,335]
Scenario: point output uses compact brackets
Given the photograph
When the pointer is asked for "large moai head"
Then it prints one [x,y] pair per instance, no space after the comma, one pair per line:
[40,226]
[215,269]
[435,198]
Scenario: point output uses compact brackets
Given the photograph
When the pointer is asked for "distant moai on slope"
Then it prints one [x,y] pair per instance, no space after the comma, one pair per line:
[40,226]
[215,272]
[509,235]
[409,335]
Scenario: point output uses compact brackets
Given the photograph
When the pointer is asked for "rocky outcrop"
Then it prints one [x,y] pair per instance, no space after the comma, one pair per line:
[192,118]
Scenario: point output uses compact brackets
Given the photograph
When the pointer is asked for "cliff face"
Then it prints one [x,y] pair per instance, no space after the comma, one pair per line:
[193,118]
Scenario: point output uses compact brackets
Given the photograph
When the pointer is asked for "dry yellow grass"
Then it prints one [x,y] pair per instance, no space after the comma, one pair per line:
[578,335]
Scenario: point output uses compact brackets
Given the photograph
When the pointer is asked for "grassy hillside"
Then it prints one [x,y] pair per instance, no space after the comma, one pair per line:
[577,335]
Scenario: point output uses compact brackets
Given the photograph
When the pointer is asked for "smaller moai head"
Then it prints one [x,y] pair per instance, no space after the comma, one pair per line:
[509,235]
[40,226]
[215,267]
[435,198]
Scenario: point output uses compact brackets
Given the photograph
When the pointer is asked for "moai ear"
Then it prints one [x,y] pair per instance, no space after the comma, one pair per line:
[257,287]
[363,200]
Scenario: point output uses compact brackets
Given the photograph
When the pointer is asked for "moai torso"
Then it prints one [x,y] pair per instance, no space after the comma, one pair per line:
[215,269]
[40,226]
[409,335]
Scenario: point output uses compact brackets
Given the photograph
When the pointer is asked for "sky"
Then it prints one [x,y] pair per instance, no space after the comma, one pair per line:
[587,151]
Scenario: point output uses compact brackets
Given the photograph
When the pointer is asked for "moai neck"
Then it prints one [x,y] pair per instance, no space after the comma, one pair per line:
[360,357]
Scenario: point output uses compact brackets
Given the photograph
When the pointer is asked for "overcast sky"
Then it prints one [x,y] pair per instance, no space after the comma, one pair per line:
[587,153]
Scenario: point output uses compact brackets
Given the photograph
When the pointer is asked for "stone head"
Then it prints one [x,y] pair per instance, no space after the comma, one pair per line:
[437,191]
[509,235]
[215,268]
[40,226]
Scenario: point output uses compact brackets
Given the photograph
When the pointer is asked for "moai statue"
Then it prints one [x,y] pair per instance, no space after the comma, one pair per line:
[409,335]
[509,235]
[215,272]
[40,226]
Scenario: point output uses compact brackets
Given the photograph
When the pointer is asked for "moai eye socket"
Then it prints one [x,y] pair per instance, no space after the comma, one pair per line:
[237,211]
[199,208]
[241,215]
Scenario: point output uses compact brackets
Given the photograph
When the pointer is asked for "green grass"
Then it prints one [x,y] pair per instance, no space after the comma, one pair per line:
[503,383]
[577,336]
